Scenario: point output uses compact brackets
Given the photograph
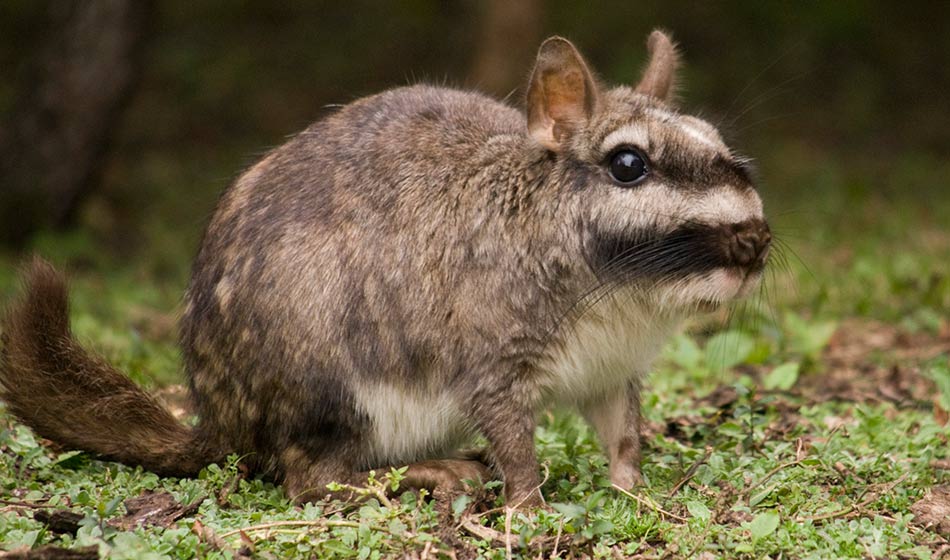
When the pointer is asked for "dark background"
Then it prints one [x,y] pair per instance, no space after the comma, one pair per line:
[839,102]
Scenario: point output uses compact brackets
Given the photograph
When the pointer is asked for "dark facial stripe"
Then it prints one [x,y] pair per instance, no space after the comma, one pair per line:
[644,255]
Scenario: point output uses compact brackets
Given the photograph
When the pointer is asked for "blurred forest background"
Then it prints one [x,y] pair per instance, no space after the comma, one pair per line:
[122,120]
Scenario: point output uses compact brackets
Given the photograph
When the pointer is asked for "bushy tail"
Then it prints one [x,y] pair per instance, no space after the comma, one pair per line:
[78,400]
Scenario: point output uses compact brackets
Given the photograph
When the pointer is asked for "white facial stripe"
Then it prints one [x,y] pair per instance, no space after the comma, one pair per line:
[632,134]
[662,114]
[700,136]
[725,205]
[659,206]
[648,206]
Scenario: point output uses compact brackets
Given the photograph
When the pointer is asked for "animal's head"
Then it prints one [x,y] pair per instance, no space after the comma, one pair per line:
[659,201]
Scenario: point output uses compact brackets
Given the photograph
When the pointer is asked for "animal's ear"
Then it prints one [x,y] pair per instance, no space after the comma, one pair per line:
[660,75]
[562,94]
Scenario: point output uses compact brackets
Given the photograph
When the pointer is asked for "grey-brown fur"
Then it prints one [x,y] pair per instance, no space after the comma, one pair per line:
[427,257]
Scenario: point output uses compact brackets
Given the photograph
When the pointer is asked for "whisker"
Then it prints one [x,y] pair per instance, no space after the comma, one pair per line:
[762,73]
[608,283]
[770,296]
[765,120]
[767,95]
[786,247]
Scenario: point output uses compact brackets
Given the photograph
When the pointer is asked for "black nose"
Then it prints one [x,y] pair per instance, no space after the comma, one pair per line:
[746,244]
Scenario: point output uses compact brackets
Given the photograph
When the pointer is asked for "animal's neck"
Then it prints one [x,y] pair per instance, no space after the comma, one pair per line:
[606,344]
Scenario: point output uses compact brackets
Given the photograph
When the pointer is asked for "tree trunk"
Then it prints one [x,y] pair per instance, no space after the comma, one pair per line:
[52,144]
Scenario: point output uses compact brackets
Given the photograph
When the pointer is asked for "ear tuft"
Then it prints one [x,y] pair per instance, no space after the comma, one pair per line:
[660,75]
[562,93]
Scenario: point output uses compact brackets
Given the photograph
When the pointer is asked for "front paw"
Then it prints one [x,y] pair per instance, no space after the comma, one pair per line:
[625,476]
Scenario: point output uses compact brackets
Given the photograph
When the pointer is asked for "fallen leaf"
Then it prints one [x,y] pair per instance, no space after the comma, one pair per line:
[59,521]
[940,415]
[842,470]
[853,371]
[933,510]
[836,422]
[154,508]
[721,397]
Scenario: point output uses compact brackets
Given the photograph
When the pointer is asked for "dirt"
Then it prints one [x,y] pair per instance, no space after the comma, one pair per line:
[871,362]
[933,510]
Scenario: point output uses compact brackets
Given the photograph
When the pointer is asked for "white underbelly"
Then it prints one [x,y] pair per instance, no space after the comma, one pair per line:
[409,425]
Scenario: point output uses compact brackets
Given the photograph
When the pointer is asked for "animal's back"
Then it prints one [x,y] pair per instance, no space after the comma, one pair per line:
[319,275]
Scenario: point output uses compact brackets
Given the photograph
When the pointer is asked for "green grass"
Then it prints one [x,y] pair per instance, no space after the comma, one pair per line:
[767,466]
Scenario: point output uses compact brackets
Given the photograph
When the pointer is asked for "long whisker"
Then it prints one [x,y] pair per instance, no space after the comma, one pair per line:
[762,73]
[767,95]
[765,120]
[786,247]
[608,279]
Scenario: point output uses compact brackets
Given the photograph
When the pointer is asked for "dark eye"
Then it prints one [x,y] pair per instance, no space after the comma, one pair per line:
[627,166]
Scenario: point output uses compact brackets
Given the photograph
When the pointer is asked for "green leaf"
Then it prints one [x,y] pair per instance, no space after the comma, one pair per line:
[370,512]
[756,499]
[459,504]
[698,510]
[70,459]
[338,547]
[397,528]
[808,338]
[760,353]
[24,539]
[684,352]
[763,525]
[727,349]
[569,511]
[601,526]
[939,372]
[782,377]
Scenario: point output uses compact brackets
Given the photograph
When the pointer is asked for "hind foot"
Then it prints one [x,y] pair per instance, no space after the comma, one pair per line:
[445,474]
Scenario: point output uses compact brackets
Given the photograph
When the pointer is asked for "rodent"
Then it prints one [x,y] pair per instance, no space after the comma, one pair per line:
[420,266]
